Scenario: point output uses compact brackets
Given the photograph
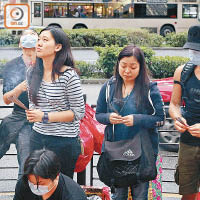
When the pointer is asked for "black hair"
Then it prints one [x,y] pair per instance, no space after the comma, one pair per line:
[142,81]
[43,163]
[63,57]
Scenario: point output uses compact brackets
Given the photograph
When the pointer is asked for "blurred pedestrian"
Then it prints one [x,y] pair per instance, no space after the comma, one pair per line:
[56,98]
[187,121]
[42,180]
[15,128]
[76,13]
[134,103]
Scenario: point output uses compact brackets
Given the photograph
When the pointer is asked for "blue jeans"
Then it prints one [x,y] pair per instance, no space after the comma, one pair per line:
[67,149]
[23,146]
[138,192]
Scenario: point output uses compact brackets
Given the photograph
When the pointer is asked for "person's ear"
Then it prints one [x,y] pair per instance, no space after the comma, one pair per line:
[56,179]
[58,47]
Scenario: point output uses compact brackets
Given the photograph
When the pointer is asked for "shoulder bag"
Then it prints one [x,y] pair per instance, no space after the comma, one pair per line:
[127,162]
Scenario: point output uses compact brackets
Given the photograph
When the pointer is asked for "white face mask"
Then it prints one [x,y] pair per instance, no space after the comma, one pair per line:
[39,189]
[194,56]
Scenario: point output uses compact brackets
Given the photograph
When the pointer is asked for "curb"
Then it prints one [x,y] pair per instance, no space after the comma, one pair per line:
[93,81]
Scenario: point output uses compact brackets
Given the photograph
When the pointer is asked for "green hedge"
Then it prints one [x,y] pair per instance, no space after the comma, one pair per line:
[176,39]
[160,67]
[98,37]
[7,39]
[104,37]
[2,63]
[88,70]
[163,67]
[108,57]
[85,70]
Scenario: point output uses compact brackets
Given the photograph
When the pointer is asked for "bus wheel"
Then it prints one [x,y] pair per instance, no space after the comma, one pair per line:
[78,26]
[55,25]
[166,29]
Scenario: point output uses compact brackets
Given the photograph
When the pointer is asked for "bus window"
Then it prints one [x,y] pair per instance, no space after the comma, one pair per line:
[86,11]
[155,11]
[189,11]
[127,11]
[117,10]
[37,10]
[99,10]
[110,9]
[55,10]
[140,10]
[81,10]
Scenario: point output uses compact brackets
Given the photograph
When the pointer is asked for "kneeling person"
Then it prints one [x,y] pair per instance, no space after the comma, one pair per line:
[42,180]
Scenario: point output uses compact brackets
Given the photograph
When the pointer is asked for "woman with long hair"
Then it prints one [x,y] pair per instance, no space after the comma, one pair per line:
[133,103]
[56,98]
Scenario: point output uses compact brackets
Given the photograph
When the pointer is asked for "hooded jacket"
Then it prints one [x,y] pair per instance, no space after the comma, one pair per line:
[151,119]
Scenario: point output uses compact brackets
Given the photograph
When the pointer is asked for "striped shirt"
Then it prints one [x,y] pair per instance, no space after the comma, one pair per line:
[63,94]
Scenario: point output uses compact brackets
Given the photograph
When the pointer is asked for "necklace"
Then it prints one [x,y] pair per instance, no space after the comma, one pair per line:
[126,91]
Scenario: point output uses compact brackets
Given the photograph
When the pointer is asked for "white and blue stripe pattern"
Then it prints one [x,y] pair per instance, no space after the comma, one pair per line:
[63,94]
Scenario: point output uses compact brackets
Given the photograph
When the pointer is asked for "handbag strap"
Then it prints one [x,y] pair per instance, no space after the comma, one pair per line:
[110,105]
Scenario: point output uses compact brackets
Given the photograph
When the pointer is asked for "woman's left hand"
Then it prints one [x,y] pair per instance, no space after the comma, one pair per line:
[128,120]
[34,115]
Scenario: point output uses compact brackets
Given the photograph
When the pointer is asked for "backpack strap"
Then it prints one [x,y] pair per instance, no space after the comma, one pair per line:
[108,102]
[107,91]
[185,75]
[187,72]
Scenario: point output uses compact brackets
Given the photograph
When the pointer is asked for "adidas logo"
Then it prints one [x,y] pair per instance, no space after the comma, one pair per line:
[128,153]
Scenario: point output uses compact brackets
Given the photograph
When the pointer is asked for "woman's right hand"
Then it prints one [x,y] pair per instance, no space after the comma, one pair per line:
[115,118]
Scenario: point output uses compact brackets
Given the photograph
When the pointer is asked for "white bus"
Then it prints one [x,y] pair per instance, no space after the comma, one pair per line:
[155,15]
[159,16]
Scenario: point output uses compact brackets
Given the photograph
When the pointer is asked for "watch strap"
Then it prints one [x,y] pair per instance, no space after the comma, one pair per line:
[45,118]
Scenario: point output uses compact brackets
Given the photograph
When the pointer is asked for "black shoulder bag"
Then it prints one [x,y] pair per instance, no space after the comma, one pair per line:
[127,162]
